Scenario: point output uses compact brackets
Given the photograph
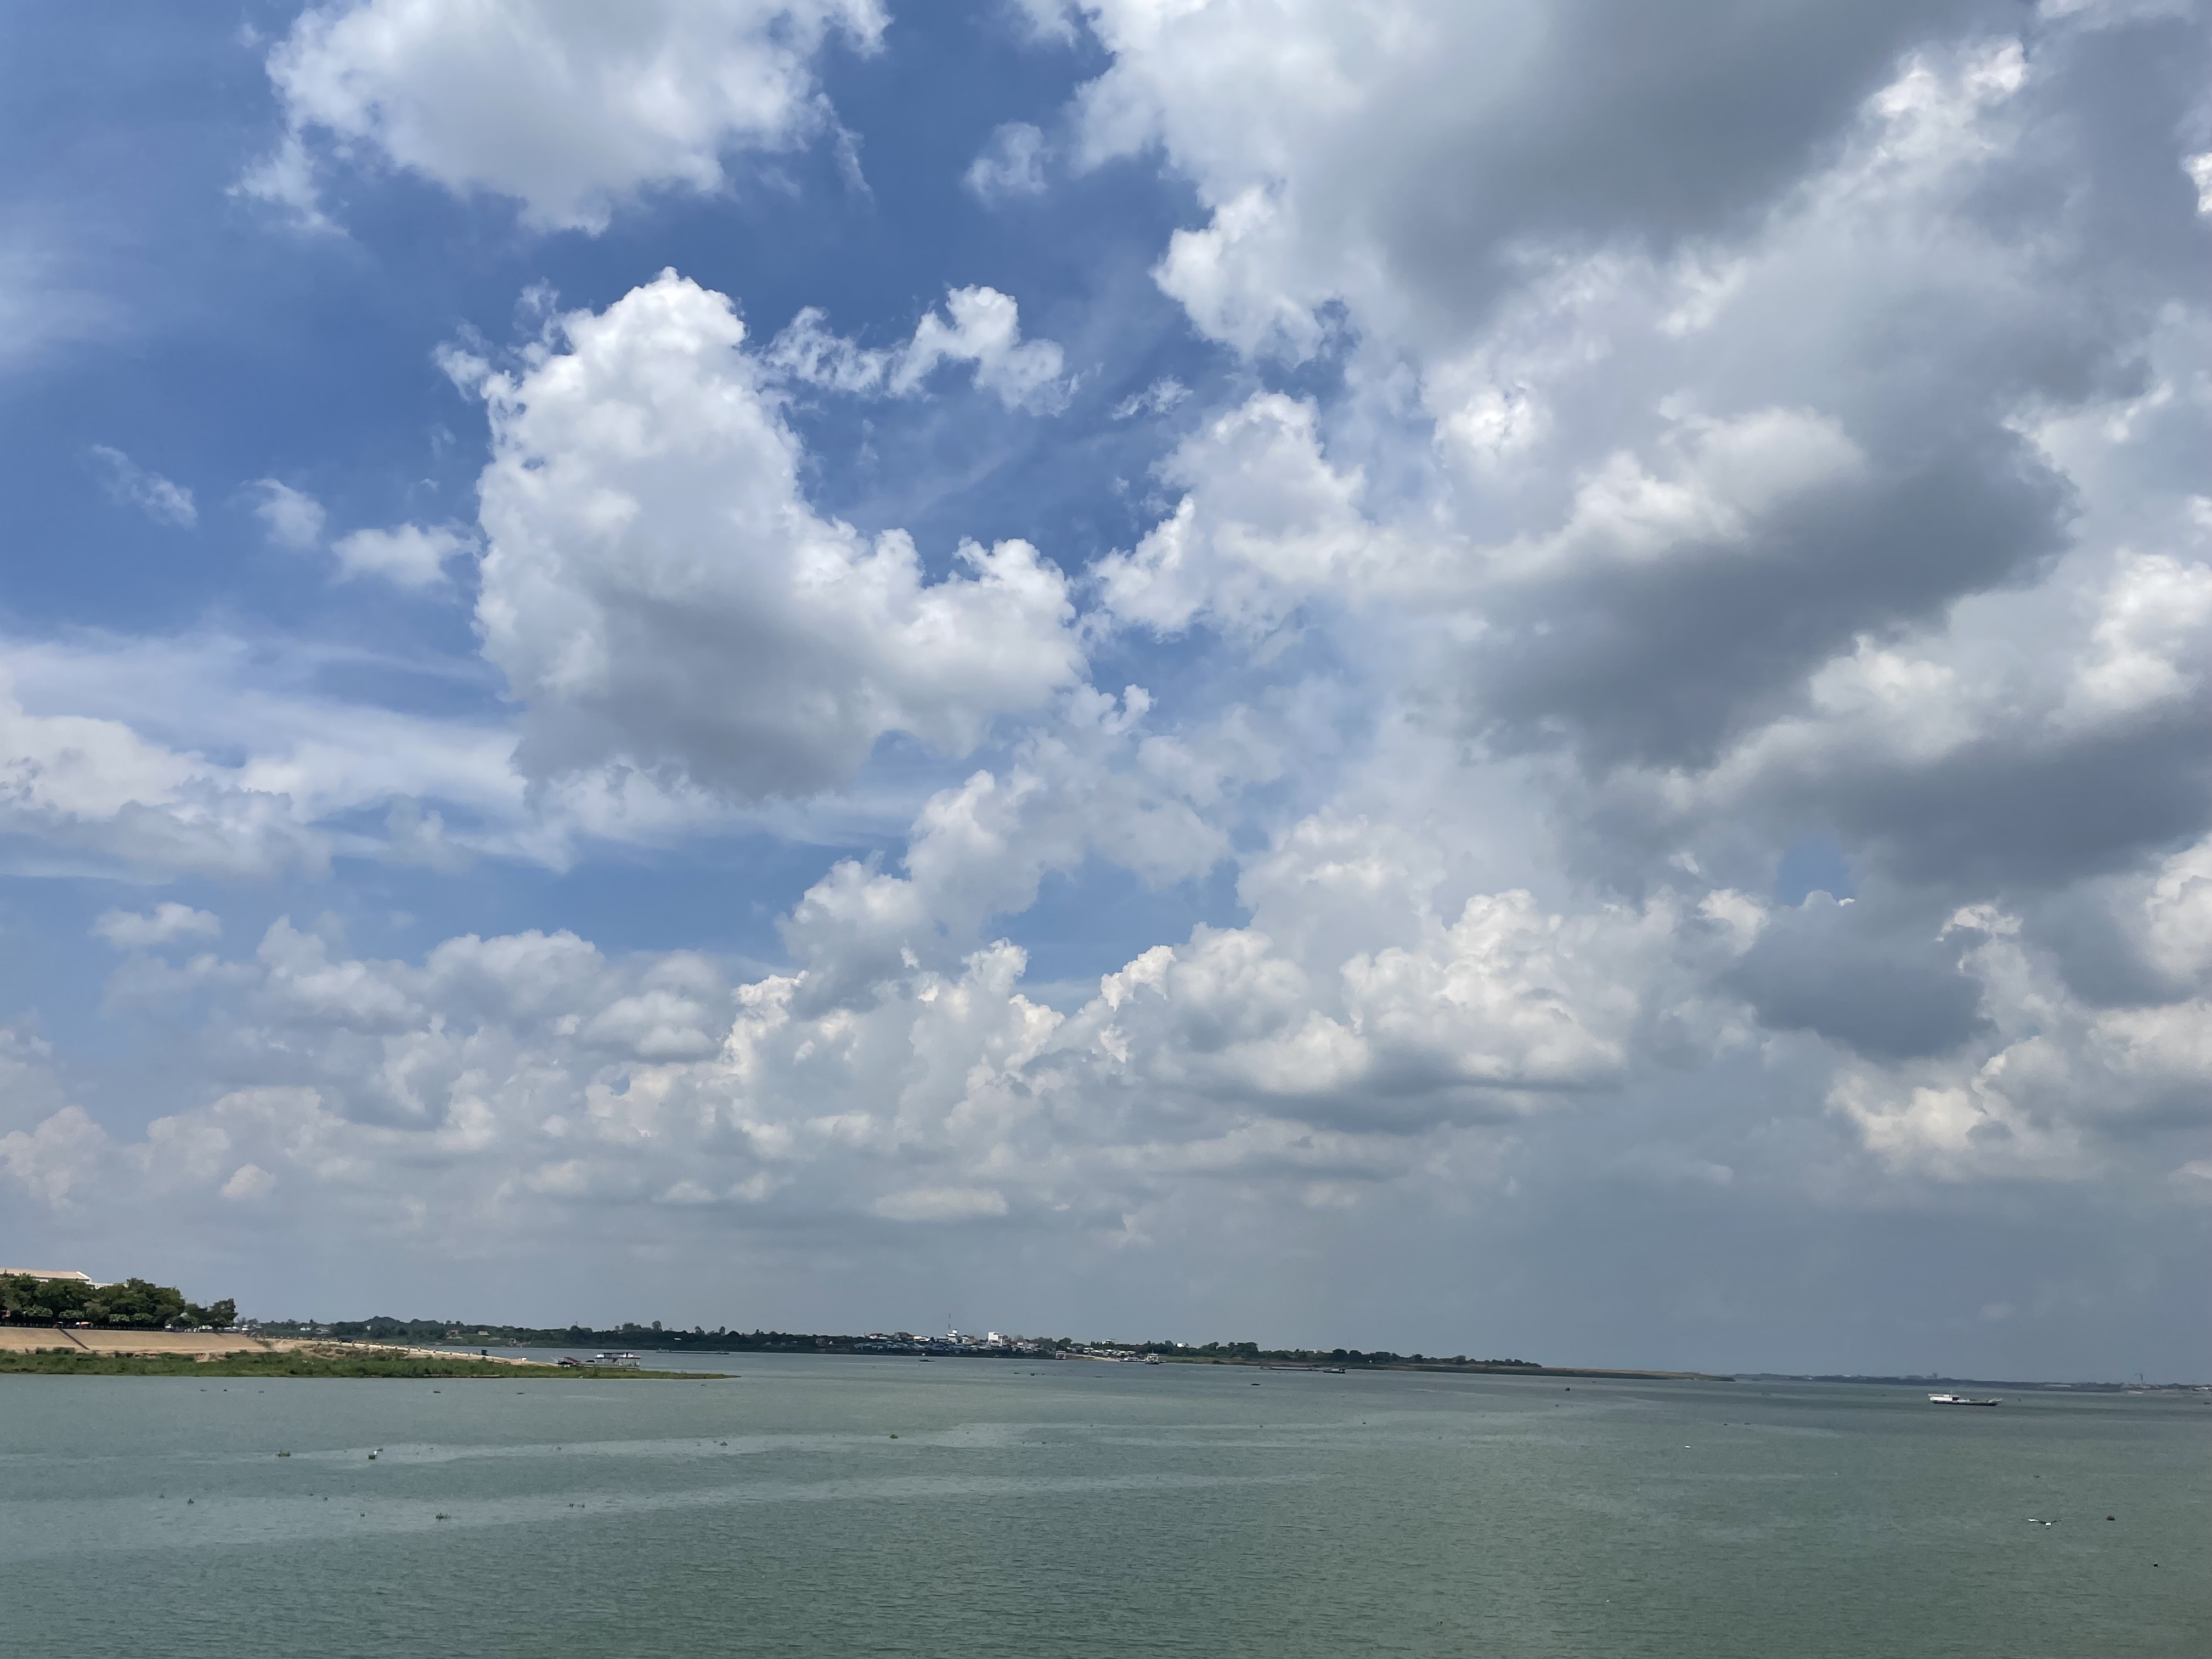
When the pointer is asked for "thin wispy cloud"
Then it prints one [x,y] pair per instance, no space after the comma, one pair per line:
[133,485]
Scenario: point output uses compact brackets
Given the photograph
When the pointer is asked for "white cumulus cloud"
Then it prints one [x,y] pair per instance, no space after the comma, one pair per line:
[573,111]
[408,555]
[659,594]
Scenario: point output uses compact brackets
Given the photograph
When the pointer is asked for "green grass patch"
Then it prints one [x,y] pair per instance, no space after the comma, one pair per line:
[70,1362]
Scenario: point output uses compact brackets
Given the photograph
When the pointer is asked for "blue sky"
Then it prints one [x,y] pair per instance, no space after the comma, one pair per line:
[1221,671]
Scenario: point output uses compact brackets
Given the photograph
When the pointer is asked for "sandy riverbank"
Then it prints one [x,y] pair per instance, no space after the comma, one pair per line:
[26,1339]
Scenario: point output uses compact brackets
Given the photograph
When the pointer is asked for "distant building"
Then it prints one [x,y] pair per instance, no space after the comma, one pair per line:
[47,1272]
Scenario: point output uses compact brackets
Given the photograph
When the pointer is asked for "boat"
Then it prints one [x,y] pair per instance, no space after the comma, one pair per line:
[1959,1400]
[627,1362]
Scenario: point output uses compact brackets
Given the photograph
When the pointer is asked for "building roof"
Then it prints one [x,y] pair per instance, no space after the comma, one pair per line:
[46,1272]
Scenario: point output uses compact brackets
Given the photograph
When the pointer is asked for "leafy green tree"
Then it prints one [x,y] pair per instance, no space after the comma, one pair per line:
[133,1303]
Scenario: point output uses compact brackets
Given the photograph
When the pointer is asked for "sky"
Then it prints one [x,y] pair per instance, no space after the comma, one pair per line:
[1520,678]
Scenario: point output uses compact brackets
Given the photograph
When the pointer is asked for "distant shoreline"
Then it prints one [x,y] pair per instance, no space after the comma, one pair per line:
[17,1338]
[197,1353]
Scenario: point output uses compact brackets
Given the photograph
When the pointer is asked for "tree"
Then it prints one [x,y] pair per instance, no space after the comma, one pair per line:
[134,1302]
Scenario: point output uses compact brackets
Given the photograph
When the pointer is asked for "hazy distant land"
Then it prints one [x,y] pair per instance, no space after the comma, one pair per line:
[56,1325]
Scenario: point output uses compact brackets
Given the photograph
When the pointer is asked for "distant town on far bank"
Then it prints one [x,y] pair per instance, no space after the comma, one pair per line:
[60,1297]
[954,1343]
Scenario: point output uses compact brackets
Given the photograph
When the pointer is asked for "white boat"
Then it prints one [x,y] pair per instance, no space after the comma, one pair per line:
[621,1361]
[1959,1400]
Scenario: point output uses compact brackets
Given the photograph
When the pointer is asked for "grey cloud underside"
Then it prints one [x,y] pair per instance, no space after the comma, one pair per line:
[1877,984]
[802,720]
[2019,813]
[1666,665]
[1654,124]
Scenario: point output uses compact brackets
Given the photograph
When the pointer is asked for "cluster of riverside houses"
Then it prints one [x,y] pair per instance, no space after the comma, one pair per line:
[952,1342]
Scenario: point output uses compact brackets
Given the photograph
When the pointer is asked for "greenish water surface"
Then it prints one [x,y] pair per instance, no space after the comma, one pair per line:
[861,1506]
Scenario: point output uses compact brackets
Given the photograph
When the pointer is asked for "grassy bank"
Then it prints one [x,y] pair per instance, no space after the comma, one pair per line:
[55,1362]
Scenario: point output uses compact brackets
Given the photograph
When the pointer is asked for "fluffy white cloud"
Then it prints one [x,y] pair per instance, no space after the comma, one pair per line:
[1267,523]
[408,556]
[659,594]
[2153,639]
[1485,1015]
[294,518]
[983,327]
[1090,785]
[571,109]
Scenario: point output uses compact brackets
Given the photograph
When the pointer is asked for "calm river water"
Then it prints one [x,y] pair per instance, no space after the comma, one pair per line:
[882,1506]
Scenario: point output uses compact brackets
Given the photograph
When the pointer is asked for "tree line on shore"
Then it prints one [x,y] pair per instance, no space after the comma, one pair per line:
[133,1304]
